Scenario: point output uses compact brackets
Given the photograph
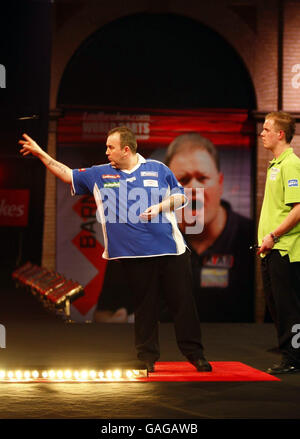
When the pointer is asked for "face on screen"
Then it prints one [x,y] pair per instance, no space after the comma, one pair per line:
[195,168]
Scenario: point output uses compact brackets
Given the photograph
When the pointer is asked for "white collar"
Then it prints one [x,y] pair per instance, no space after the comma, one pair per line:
[141,160]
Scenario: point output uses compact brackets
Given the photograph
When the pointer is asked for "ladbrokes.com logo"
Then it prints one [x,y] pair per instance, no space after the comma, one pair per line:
[2,76]
[11,210]
[14,207]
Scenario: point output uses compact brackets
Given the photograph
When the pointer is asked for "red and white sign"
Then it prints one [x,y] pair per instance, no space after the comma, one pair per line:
[14,206]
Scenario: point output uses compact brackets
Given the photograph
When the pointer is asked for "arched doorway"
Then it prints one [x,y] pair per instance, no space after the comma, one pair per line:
[158,61]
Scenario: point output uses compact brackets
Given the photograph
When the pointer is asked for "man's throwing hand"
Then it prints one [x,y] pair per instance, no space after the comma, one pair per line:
[29,146]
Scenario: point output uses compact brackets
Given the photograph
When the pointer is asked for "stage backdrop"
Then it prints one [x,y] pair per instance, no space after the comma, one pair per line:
[81,143]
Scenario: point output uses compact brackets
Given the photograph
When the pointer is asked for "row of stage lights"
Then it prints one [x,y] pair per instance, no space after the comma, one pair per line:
[69,375]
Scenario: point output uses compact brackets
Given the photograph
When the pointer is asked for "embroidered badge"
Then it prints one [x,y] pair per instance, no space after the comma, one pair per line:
[131,179]
[219,260]
[152,183]
[112,184]
[214,277]
[149,174]
[273,173]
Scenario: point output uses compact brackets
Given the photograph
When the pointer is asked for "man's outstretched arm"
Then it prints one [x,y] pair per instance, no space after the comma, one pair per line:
[29,146]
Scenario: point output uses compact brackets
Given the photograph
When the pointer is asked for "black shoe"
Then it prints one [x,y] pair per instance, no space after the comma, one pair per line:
[286,366]
[202,365]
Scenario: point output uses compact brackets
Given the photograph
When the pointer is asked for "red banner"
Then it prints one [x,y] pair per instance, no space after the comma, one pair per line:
[224,127]
[14,205]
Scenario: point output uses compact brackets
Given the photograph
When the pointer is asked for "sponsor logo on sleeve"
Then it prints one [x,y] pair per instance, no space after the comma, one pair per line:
[82,170]
[293,183]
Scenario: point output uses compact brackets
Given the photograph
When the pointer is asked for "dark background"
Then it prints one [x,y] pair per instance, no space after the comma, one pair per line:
[25,53]
[157,61]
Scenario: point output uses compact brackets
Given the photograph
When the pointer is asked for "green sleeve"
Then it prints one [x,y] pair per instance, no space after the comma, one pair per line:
[291,181]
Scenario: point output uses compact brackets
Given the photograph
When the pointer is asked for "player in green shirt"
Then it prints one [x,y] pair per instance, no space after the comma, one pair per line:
[279,238]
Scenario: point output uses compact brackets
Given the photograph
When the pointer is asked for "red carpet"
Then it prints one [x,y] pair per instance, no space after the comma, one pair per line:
[222,371]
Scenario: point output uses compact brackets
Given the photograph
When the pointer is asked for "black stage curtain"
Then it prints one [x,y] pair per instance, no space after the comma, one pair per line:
[25,59]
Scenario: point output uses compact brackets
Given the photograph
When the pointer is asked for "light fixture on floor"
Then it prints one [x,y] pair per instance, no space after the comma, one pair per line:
[68,375]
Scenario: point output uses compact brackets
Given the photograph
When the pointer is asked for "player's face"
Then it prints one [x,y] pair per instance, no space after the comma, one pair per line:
[114,152]
[270,135]
[196,169]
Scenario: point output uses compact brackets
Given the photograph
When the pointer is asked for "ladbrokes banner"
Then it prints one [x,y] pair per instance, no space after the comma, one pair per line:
[81,143]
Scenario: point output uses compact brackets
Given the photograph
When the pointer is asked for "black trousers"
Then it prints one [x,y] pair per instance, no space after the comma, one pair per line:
[172,277]
[281,281]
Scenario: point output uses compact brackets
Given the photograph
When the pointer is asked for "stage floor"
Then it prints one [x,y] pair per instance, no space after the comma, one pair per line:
[37,338]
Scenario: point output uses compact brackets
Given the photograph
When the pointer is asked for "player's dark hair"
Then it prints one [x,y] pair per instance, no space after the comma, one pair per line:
[127,137]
